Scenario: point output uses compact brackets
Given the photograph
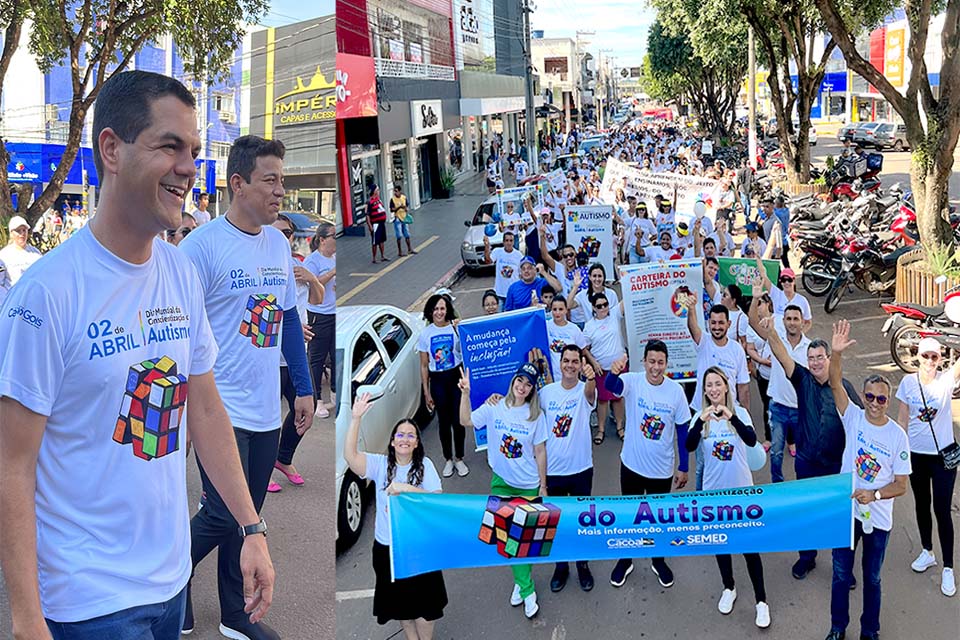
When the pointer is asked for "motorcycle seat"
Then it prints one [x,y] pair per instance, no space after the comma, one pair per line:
[930,311]
[891,258]
[887,201]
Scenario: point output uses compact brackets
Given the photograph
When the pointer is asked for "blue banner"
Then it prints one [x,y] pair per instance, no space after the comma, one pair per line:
[437,531]
[494,347]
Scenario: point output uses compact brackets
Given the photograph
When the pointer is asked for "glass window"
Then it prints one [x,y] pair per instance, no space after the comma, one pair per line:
[393,333]
[368,364]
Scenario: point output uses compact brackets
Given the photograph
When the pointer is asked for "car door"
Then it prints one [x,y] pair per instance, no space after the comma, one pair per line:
[369,365]
[403,370]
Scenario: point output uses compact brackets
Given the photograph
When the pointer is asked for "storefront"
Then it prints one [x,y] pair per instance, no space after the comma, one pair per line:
[35,163]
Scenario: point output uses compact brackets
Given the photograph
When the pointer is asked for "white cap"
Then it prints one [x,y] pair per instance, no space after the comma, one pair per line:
[16,222]
[928,345]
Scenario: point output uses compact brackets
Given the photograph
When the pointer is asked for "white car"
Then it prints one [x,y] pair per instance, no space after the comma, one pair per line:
[471,249]
[376,345]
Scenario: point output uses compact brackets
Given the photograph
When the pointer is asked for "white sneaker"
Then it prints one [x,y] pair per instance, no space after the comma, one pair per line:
[923,562]
[763,615]
[461,468]
[726,601]
[321,412]
[448,469]
[948,585]
[515,599]
[530,606]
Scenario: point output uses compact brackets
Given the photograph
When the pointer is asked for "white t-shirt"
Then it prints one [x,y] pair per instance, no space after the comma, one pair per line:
[725,454]
[80,336]
[665,222]
[762,246]
[605,338]
[938,395]
[377,474]
[656,253]
[202,217]
[558,337]
[318,264]
[550,234]
[642,227]
[247,284]
[442,345]
[521,168]
[652,416]
[781,390]
[16,261]
[303,295]
[567,416]
[511,437]
[875,455]
[730,357]
[507,267]
[780,302]
[584,309]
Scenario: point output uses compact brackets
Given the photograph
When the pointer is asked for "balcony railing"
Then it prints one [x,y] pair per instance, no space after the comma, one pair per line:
[402,69]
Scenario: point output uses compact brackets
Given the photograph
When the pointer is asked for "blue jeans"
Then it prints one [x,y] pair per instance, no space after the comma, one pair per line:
[874,548]
[160,621]
[745,201]
[806,470]
[700,463]
[781,417]
[400,229]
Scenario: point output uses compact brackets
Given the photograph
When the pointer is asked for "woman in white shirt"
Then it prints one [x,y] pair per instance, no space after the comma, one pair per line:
[581,308]
[604,345]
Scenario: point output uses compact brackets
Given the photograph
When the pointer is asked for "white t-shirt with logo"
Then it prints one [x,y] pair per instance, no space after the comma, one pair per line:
[781,390]
[584,309]
[875,455]
[442,346]
[16,261]
[104,349]
[780,302]
[247,284]
[318,264]
[725,454]
[377,474]
[507,266]
[652,416]
[605,338]
[567,416]
[730,357]
[511,437]
[939,396]
[558,337]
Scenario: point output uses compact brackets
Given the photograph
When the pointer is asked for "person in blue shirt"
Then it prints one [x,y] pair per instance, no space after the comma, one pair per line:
[782,212]
[520,293]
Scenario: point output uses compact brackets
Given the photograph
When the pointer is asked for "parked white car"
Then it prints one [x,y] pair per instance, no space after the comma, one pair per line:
[471,249]
[376,345]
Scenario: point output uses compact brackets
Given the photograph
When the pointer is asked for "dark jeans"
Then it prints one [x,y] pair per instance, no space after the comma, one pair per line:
[634,484]
[578,484]
[806,470]
[321,347]
[928,471]
[754,568]
[289,438]
[785,256]
[874,548]
[763,384]
[783,419]
[161,621]
[214,526]
[446,398]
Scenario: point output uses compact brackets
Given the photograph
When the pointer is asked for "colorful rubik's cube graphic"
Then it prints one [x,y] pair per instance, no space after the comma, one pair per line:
[261,321]
[561,426]
[590,245]
[510,447]
[723,450]
[520,528]
[506,271]
[652,427]
[557,345]
[152,407]
[927,414]
[867,466]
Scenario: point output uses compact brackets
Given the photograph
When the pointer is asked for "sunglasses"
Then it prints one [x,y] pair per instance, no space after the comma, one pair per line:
[930,356]
[185,231]
[881,399]
[287,232]
[569,255]
[404,436]
[602,305]
[786,280]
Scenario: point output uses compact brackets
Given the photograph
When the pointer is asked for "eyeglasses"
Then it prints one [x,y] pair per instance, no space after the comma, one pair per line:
[930,356]
[185,231]
[881,400]
[404,436]
[602,305]
[287,232]
[816,358]
[21,230]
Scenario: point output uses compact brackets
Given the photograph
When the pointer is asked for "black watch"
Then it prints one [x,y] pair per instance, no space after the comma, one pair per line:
[252,529]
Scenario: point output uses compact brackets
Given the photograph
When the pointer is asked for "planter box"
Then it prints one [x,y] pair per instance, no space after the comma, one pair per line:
[802,189]
[915,284]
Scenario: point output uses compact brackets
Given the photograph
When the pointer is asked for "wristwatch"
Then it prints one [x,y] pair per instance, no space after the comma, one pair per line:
[876,495]
[252,529]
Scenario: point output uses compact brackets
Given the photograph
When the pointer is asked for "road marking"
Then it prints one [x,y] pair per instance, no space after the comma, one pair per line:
[873,355]
[359,594]
[419,302]
[369,281]
[362,275]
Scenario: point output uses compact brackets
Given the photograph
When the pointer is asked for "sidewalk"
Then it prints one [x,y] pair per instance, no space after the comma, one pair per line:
[437,233]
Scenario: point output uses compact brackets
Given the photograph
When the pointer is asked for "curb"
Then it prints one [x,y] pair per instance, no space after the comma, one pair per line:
[449,279]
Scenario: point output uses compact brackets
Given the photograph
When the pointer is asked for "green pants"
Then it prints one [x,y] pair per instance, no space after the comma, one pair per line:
[522,573]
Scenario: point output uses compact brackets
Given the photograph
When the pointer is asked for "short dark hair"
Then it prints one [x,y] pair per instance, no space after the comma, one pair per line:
[711,260]
[876,378]
[721,310]
[509,233]
[593,297]
[707,241]
[571,347]
[655,345]
[547,289]
[558,298]
[432,302]
[203,194]
[793,307]
[244,153]
[123,105]
[819,343]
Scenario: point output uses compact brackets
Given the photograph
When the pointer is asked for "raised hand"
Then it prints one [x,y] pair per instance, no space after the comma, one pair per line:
[841,336]
[619,365]
[722,412]
[587,369]
[361,405]
[464,383]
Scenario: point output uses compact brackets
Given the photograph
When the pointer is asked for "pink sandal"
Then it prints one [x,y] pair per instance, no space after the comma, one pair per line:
[294,478]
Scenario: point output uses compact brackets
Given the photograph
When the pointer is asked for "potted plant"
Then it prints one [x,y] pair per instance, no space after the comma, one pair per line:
[447,181]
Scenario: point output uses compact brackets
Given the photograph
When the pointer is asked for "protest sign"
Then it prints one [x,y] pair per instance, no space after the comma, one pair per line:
[652,310]
[516,195]
[557,179]
[431,532]
[494,347]
[743,272]
[645,186]
[590,230]
[690,190]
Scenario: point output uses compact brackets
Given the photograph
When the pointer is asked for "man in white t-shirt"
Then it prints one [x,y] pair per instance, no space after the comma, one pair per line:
[506,263]
[200,214]
[521,169]
[251,299]
[786,293]
[93,424]
[18,255]
[878,455]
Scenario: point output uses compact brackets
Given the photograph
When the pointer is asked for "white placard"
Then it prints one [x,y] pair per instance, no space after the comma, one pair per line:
[426,117]
[590,230]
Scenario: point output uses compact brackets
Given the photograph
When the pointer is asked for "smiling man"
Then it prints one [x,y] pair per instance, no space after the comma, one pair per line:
[95,525]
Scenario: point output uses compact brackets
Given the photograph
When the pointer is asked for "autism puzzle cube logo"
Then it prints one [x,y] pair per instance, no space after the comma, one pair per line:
[652,427]
[556,346]
[510,447]
[867,466]
[506,271]
[519,527]
[261,320]
[723,450]
[152,407]
[561,426]
[590,245]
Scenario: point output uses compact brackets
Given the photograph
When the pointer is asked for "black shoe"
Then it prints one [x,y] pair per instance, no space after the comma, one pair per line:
[559,579]
[664,574]
[866,637]
[620,572]
[245,630]
[187,627]
[586,578]
[836,635]
[853,582]
[801,568]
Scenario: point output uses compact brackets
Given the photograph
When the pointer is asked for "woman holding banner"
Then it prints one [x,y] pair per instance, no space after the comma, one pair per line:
[515,427]
[417,602]
[723,431]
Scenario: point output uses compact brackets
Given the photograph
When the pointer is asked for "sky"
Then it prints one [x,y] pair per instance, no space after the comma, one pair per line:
[283,12]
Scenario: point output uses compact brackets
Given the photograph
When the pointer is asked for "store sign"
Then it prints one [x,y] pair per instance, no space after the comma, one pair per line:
[356,87]
[24,169]
[357,193]
[312,101]
[427,117]
[893,60]
[469,40]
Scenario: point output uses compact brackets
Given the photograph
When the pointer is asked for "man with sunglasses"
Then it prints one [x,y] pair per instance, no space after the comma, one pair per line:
[878,454]
[187,224]
[786,294]
[18,255]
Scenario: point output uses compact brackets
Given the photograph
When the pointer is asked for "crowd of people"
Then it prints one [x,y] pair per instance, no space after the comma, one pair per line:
[808,409]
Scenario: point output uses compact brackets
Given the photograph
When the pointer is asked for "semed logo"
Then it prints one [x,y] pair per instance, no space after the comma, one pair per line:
[26,315]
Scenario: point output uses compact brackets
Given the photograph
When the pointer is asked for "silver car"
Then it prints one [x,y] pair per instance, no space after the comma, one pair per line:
[891,136]
[471,250]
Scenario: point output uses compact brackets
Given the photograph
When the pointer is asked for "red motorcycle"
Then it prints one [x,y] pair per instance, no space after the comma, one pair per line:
[853,177]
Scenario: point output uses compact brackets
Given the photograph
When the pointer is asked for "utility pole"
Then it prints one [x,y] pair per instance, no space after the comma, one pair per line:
[752,99]
[579,80]
[531,128]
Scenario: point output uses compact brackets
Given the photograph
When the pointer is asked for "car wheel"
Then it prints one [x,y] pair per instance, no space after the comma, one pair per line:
[898,145]
[349,511]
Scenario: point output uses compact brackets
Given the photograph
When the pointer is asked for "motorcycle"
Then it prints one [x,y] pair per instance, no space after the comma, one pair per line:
[867,264]
[909,323]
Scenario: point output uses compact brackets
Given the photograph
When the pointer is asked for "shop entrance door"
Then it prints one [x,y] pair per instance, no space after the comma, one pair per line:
[425,171]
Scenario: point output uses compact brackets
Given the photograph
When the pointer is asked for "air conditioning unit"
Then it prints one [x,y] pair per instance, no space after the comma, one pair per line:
[228,116]
[53,113]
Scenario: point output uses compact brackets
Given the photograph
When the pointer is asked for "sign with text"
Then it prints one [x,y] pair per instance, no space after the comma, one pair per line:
[590,231]
[743,272]
[426,117]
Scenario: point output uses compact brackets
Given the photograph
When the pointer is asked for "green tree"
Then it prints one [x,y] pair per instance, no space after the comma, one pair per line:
[95,38]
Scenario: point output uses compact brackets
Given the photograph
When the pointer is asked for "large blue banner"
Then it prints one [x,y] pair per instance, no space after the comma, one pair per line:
[437,531]
[494,347]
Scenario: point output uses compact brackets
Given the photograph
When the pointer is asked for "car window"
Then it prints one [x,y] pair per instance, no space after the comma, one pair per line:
[368,366]
[886,128]
[483,214]
[393,333]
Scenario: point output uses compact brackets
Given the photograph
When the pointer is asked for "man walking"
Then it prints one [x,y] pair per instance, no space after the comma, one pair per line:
[401,219]
[200,214]
[18,255]
[251,300]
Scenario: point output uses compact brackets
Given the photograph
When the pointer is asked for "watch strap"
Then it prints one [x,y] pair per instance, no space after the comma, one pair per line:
[253,529]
